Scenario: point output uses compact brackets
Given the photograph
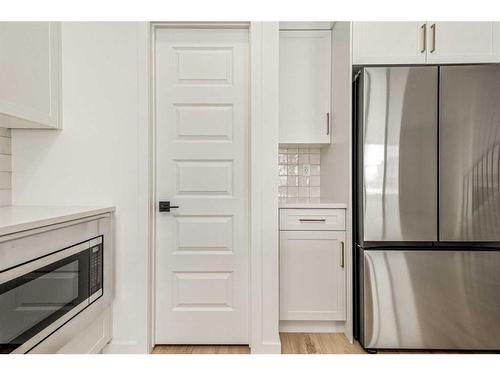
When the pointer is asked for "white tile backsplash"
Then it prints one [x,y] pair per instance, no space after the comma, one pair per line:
[292,182]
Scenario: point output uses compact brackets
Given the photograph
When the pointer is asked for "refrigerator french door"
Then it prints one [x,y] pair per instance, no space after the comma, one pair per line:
[426,185]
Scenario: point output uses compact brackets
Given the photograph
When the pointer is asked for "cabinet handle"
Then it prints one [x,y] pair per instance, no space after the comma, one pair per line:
[424,37]
[433,28]
[328,123]
[342,254]
[312,220]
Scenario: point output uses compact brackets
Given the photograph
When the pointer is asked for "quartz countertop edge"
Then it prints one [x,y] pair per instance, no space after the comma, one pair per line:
[309,203]
[14,219]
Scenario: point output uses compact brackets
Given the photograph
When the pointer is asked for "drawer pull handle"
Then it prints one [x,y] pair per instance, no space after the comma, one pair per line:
[312,220]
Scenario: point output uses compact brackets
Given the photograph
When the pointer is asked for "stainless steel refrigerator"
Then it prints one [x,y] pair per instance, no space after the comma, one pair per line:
[427,207]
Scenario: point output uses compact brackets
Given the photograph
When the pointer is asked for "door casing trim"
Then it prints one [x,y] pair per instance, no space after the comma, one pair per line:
[263,317]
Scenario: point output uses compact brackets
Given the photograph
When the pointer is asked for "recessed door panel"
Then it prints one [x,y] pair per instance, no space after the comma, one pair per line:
[204,122]
[204,177]
[204,65]
[213,234]
[202,291]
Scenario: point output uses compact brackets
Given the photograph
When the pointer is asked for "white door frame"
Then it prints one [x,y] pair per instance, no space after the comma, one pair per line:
[264,256]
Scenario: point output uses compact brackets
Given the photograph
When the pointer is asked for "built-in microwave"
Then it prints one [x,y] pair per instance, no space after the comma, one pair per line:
[40,296]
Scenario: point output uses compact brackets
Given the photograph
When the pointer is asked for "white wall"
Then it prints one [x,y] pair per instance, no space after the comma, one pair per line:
[99,155]
[5,167]
[336,159]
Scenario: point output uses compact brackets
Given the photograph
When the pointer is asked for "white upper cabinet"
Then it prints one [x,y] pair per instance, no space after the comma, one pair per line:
[30,74]
[463,42]
[425,42]
[388,43]
[305,86]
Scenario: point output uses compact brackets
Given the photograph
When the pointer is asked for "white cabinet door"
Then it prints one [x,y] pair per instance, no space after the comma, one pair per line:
[312,276]
[463,42]
[388,42]
[30,74]
[305,86]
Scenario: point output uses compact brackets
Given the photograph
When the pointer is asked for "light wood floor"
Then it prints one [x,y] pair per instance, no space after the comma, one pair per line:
[295,343]
[291,343]
[318,343]
[201,349]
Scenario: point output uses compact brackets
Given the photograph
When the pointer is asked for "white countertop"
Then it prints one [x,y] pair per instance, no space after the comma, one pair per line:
[309,203]
[20,218]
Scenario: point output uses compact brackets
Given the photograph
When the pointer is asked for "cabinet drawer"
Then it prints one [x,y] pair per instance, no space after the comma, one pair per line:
[312,219]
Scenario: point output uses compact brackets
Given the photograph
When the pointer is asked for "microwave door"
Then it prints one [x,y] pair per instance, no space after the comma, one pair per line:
[399,153]
[38,297]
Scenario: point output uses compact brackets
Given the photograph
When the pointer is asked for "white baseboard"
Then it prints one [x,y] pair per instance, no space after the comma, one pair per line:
[124,347]
[312,326]
[266,348]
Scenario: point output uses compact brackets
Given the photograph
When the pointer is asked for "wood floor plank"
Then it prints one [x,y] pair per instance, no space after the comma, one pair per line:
[318,343]
[201,349]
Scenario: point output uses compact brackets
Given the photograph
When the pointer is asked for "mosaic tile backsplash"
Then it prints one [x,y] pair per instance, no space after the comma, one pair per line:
[294,165]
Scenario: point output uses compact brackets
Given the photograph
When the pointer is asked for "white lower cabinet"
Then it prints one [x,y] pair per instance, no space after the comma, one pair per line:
[312,275]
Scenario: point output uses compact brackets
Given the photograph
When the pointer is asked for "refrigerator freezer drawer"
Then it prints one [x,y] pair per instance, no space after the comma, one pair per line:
[431,299]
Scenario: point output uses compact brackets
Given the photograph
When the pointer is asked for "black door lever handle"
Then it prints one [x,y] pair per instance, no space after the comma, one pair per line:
[164,206]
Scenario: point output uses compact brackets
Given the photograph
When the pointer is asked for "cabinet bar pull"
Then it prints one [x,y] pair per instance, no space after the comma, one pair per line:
[342,254]
[312,220]
[327,123]
[433,28]
[424,29]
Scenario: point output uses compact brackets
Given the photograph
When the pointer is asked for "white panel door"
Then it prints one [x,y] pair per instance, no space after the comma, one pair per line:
[305,86]
[388,43]
[202,156]
[463,42]
[312,276]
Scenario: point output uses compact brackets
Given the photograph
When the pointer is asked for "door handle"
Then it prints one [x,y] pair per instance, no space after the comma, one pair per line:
[433,28]
[342,254]
[164,206]
[312,220]
[327,123]
[424,38]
